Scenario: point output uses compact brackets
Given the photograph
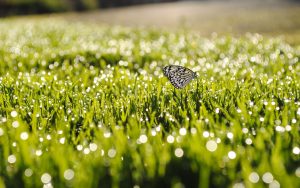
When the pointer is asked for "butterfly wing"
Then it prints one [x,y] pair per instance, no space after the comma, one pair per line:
[179,76]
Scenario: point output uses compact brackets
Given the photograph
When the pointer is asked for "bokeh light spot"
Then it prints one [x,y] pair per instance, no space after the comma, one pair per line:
[46,178]
[211,145]
[267,177]
[11,159]
[178,152]
[69,174]
[231,155]
[253,177]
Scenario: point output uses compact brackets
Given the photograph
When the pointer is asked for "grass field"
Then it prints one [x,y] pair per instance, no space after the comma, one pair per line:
[83,105]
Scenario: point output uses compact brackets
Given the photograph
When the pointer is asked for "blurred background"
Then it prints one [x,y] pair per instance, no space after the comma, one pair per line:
[234,17]
[13,7]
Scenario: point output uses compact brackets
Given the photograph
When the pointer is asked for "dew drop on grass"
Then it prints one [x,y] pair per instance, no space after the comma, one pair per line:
[230,135]
[153,132]
[11,159]
[93,146]
[170,139]
[288,128]
[48,137]
[38,152]
[1,132]
[3,120]
[261,119]
[111,153]
[179,139]
[102,152]
[248,141]
[205,134]
[193,130]
[143,138]
[296,150]
[279,128]
[46,178]
[253,177]
[86,151]
[107,134]
[277,122]
[267,177]
[62,140]
[245,130]
[69,174]
[15,124]
[274,184]
[182,131]
[238,185]
[211,145]
[231,155]
[297,172]
[79,147]
[28,172]
[24,135]
[14,114]
[251,103]
[178,152]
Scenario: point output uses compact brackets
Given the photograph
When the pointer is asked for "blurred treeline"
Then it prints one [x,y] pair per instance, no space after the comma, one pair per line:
[13,7]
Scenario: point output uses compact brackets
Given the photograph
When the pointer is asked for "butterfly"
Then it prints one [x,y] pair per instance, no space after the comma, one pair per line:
[179,76]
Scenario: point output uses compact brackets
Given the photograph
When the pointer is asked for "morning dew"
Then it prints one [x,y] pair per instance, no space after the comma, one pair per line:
[267,177]
[14,114]
[253,177]
[142,139]
[11,159]
[69,174]
[24,135]
[46,178]
[111,153]
[296,150]
[28,172]
[211,145]
[178,152]
[170,139]
[230,135]
[1,132]
[231,155]
[182,131]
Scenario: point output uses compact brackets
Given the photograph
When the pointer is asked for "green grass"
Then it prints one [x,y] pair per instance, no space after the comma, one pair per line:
[88,106]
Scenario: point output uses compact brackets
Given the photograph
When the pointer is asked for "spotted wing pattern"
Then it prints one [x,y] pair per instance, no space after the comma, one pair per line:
[179,76]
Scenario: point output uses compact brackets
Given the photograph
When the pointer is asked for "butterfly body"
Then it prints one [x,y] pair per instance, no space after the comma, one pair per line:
[179,76]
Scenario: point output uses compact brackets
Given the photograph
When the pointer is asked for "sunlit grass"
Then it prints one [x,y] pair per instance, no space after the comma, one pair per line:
[88,106]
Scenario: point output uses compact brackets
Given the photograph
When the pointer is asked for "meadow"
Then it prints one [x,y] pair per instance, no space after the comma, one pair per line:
[83,105]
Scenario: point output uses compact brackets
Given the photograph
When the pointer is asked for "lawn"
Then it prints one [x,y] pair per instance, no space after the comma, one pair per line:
[83,105]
